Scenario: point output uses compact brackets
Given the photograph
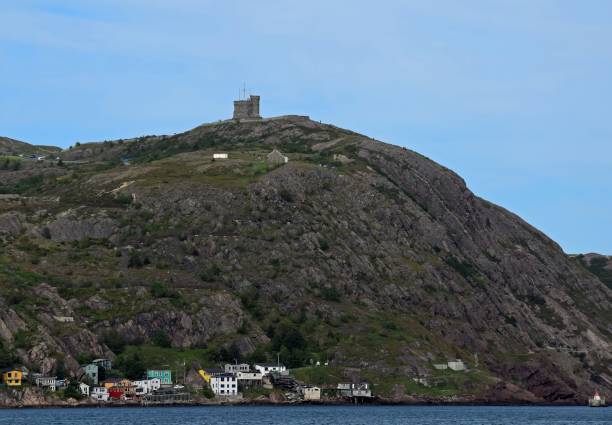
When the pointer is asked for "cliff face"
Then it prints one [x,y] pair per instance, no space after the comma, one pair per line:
[356,251]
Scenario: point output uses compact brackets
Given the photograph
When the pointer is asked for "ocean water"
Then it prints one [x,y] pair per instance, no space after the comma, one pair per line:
[311,415]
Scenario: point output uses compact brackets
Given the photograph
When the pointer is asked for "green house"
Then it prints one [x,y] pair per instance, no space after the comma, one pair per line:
[92,373]
[164,375]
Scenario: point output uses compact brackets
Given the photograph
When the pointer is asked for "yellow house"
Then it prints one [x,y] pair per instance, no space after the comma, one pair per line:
[12,378]
[205,376]
[111,382]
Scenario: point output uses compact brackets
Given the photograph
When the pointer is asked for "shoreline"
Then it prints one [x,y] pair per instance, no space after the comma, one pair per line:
[268,403]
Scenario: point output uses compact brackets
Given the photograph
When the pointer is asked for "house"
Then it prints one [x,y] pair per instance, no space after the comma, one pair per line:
[164,375]
[220,156]
[355,390]
[249,379]
[224,385]
[310,392]
[111,382]
[267,368]
[440,366]
[235,368]
[129,390]
[457,365]
[46,382]
[61,383]
[99,393]
[124,383]
[91,373]
[105,364]
[146,386]
[12,378]
[208,373]
[277,158]
[84,389]
[116,393]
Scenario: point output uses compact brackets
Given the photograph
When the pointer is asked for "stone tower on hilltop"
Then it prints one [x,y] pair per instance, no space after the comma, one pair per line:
[247,109]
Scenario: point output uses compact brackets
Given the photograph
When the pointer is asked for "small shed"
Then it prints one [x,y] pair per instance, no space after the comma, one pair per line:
[277,158]
[220,156]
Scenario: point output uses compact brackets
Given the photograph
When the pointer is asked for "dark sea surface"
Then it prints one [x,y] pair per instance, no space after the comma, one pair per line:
[307,415]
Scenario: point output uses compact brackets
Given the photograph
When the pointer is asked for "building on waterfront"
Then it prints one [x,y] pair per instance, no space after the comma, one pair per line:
[84,389]
[164,375]
[249,379]
[310,392]
[47,382]
[224,385]
[99,393]
[267,368]
[12,377]
[92,373]
[105,364]
[361,389]
[235,368]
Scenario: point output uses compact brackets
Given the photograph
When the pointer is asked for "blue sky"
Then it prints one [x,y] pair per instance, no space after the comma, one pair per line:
[514,95]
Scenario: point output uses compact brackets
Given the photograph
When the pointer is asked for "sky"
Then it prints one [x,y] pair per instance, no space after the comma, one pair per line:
[513,95]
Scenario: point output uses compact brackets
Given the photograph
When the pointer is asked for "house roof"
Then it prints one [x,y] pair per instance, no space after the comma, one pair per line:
[225,375]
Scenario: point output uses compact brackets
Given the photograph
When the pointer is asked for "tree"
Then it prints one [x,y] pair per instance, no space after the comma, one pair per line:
[132,366]
[72,391]
[161,339]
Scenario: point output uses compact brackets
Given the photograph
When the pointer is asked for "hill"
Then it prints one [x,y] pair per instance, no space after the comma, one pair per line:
[360,253]
[15,147]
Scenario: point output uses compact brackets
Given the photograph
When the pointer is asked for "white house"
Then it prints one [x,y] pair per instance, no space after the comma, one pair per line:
[84,389]
[267,368]
[99,393]
[457,365]
[224,385]
[220,156]
[355,390]
[249,379]
[440,366]
[146,386]
[311,393]
[235,368]
[46,382]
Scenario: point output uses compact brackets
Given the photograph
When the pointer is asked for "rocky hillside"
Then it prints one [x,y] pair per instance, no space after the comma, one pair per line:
[599,265]
[358,252]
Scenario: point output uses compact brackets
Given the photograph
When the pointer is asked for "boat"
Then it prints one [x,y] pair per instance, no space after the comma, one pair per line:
[597,400]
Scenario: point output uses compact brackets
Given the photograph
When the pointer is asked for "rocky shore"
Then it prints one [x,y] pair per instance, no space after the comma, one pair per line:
[33,398]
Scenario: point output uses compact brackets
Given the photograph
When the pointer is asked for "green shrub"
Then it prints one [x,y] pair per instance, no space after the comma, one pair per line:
[160,290]
[114,341]
[330,294]
[208,392]
[210,273]
[161,339]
